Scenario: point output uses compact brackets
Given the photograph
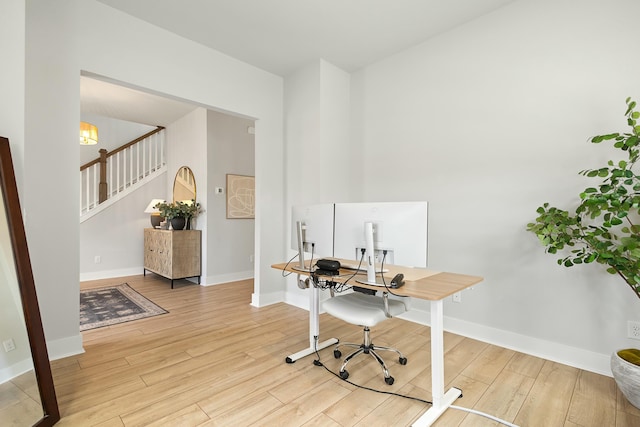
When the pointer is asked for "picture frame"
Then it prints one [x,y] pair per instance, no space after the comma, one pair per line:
[241,200]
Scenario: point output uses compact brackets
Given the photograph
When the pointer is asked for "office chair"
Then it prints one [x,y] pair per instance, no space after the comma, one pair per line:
[367,311]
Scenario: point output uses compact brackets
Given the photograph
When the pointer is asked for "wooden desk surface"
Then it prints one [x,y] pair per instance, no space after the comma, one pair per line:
[419,282]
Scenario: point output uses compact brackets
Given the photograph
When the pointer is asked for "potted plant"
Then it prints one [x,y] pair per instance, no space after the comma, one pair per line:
[167,210]
[604,229]
[179,213]
[189,210]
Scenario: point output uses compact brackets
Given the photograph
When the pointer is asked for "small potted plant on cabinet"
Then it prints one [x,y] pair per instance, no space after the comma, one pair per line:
[604,230]
[179,213]
[189,210]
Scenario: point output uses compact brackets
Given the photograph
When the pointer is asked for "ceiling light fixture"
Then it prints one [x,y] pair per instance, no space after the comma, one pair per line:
[88,134]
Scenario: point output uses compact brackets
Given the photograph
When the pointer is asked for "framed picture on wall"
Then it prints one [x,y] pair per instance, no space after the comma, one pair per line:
[241,196]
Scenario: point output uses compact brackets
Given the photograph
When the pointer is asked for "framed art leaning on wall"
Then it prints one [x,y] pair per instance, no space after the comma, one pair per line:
[241,200]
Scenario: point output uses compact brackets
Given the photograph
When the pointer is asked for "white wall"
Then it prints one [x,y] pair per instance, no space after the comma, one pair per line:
[187,146]
[231,150]
[12,322]
[211,144]
[319,153]
[50,168]
[487,122]
[318,150]
[112,133]
[12,78]
[142,56]
[116,234]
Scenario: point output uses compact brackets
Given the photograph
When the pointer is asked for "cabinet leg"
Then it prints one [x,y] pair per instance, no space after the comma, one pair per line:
[171,283]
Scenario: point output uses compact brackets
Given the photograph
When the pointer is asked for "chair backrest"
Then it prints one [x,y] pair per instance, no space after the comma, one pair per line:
[364,310]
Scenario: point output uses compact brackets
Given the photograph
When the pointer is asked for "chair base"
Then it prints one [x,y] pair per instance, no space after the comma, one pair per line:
[367,347]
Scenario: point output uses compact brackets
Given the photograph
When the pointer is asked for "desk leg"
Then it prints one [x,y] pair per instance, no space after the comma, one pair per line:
[441,401]
[314,328]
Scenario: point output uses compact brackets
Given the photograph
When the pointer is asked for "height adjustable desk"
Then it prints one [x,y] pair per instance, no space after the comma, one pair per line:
[421,283]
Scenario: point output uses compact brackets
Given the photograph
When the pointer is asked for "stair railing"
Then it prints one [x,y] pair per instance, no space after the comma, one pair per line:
[117,171]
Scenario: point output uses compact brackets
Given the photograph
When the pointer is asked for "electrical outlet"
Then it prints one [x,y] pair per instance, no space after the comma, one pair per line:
[633,330]
[97,259]
[9,345]
[457,297]
[379,255]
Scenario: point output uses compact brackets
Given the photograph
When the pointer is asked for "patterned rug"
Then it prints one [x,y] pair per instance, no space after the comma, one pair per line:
[115,304]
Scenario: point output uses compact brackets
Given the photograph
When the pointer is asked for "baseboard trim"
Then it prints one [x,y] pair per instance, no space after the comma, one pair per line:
[65,347]
[108,274]
[560,353]
[10,372]
[219,279]
[262,300]
[555,352]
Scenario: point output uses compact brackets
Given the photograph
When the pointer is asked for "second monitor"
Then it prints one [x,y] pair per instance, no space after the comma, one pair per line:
[398,229]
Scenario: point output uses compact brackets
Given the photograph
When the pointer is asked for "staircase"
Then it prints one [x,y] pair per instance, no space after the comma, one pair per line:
[117,173]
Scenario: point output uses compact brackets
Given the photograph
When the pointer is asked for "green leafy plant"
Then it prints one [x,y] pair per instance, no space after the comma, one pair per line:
[178,209]
[189,210]
[604,227]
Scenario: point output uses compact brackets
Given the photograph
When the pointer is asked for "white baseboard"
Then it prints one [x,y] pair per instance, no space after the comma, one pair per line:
[204,281]
[560,353]
[297,300]
[226,278]
[108,274]
[262,300]
[8,373]
[65,347]
[556,352]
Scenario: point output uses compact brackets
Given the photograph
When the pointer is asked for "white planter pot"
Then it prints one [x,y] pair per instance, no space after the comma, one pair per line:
[627,376]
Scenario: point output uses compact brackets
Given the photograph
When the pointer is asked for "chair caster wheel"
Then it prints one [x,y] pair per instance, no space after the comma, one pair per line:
[402,360]
[337,354]
[389,380]
[344,374]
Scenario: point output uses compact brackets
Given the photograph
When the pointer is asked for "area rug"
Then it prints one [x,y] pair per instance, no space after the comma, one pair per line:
[115,304]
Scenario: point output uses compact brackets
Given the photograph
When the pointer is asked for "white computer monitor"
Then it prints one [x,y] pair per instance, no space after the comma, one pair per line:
[399,228]
[312,232]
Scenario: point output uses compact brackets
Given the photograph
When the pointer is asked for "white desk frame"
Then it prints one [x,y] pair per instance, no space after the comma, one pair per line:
[441,401]
[449,283]
[314,327]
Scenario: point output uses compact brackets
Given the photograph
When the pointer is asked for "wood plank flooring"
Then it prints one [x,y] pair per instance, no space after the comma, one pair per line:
[214,360]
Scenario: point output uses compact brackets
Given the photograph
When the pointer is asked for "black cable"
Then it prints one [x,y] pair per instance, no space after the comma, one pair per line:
[317,362]
[313,249]
[384,256]
[284,270]
[343,287]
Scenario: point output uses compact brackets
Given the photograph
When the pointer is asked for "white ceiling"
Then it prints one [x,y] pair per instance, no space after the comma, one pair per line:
[109,99]
[280,36]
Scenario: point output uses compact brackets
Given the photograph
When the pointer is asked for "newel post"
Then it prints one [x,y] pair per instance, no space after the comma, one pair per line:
[102,186]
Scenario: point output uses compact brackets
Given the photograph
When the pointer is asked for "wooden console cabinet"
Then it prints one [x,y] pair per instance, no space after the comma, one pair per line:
[172,254]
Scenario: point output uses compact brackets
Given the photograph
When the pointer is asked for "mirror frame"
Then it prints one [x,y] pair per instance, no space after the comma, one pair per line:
[175,181]
[41,365]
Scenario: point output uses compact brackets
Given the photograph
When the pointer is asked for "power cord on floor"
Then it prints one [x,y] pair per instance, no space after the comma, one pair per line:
[317,362]
[473,411]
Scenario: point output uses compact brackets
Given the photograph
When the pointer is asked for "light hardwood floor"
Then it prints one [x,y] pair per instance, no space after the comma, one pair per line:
[214,360]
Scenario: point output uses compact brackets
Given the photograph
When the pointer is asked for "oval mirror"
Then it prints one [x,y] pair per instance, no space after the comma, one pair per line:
[184,185]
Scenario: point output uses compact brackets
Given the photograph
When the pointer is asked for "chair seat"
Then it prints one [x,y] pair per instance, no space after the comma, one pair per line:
[360,309]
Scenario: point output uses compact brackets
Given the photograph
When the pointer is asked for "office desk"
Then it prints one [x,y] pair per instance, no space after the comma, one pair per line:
[424,284]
